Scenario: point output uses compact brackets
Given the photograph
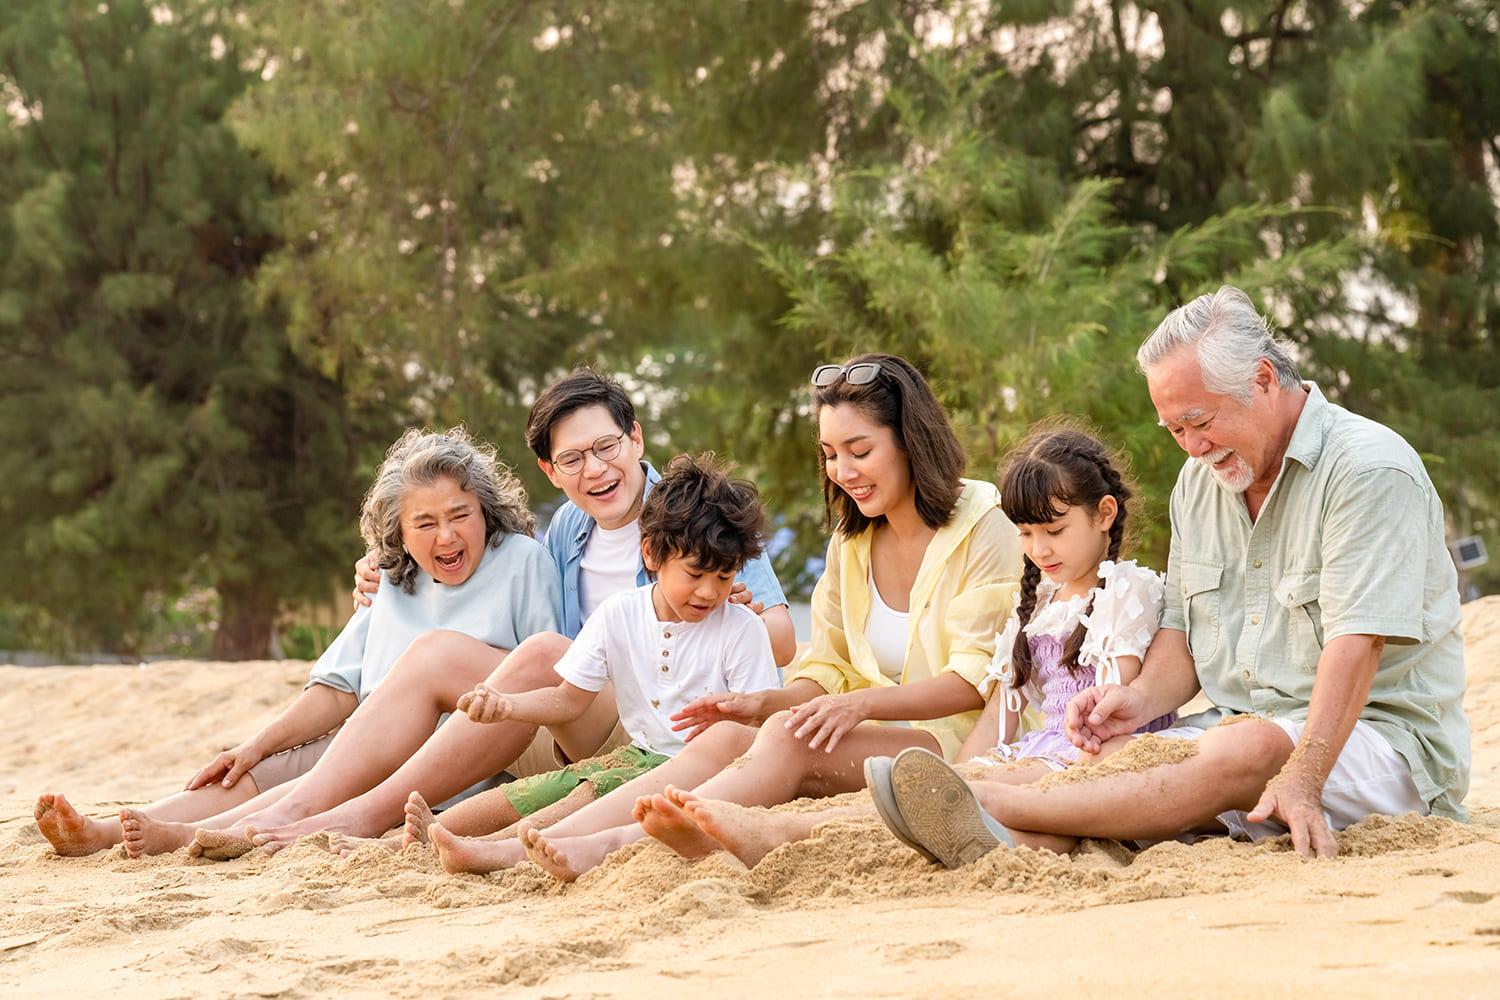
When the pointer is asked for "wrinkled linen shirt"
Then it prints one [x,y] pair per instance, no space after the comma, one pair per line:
[1350,541]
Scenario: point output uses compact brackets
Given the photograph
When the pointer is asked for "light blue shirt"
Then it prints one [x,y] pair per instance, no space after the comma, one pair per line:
[569,533]
[513,593]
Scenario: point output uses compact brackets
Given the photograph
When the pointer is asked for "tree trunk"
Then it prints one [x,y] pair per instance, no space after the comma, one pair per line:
[247,612]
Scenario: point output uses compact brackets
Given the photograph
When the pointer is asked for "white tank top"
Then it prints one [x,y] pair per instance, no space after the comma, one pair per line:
[886,631]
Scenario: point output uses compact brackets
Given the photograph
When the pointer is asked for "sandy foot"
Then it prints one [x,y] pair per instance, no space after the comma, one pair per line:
[71,834]
[344,845]
[418,818]
[219,845]
[145,836]
[747,834]
[665,820]
[567,858]
[471,855]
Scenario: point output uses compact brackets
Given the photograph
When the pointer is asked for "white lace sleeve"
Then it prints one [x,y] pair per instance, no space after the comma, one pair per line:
[1001,672]
[1126,614]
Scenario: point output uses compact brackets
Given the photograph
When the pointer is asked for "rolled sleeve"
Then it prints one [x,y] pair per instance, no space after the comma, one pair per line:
[1374,551]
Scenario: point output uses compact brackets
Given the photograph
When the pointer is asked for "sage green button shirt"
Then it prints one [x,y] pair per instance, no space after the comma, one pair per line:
[1350,541]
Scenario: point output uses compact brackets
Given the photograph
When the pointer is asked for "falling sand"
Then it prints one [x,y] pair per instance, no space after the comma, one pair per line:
[1410,906]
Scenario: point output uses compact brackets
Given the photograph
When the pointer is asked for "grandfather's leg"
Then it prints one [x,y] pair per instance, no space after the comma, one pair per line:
[1229,771]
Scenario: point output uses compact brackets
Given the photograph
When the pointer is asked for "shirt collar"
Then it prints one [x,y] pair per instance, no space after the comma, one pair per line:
[1306,444]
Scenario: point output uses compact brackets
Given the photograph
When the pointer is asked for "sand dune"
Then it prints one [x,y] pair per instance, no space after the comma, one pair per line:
[1410,906]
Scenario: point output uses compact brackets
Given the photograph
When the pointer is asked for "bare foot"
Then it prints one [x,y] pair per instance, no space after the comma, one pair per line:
[219,845]
[144,835]
[344,845]
[472,855]
[566,858]
[746,833]
[418,818]
[73,835]
[665,820]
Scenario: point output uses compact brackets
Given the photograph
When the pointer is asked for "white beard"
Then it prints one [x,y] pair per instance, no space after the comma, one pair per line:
[1236,477]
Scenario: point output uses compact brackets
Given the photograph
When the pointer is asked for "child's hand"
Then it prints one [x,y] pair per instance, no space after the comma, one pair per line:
[1099,714]
[485,704]
[700,713]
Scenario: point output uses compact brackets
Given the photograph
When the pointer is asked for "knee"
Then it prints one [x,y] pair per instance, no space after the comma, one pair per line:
[726,738]
[529,665]
[1253,750]
[774,734]
[432,648]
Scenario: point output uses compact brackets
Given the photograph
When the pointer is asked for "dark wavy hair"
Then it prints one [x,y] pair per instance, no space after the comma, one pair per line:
[699,513]
[1057,467]
[579,388]
[901,399]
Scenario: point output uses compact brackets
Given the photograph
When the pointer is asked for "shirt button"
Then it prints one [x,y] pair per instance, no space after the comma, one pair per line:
[663,668]
[1257,564]
[1243,673]
[664,652]
[1255,620]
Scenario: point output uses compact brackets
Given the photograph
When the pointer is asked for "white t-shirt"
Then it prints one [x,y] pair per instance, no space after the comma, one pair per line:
[886,631]
[611,560]
[658,667]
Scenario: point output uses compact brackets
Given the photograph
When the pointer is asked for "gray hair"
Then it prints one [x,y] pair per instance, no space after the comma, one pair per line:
[1231,337]
[419,458]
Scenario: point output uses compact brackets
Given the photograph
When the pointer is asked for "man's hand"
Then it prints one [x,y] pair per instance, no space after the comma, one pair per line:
[740,594]
[366,579]
[485,704]
[824,720]
[1099,714]
[1295,797]
[699,714]
[227,767]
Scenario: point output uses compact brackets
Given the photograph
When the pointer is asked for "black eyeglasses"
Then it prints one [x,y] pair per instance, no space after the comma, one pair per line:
[570,463]
[862,373]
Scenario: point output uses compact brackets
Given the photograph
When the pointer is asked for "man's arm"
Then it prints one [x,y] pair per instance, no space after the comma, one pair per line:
[1346,669]
[778,623]
[1168,680]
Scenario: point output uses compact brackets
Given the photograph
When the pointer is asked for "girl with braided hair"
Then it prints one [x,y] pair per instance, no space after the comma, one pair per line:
[1084,617]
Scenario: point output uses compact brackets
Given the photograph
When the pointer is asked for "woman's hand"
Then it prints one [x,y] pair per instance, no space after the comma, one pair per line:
[227,767]
[366,579]
[747,708]
[485,704]
[824,720]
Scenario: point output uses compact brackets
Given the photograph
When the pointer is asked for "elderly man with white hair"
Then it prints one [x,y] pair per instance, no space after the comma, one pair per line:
[1310,596]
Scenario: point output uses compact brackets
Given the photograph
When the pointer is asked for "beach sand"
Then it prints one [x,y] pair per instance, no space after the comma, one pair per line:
[1411,907]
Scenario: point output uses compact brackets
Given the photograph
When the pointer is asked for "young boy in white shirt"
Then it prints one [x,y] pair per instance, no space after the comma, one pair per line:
[662,646]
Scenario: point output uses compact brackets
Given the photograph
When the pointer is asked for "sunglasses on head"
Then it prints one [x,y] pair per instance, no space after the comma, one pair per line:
[862,373]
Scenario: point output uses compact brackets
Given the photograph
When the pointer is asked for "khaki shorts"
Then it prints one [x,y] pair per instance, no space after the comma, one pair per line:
[279,768]
[543,755]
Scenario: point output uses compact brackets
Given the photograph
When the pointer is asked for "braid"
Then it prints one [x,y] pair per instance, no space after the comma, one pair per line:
[1020,654]
[1121,493]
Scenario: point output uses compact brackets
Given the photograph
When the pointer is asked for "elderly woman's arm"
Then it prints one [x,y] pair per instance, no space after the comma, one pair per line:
[317,710]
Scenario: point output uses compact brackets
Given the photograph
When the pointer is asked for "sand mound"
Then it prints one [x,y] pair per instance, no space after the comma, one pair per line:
[1410,904]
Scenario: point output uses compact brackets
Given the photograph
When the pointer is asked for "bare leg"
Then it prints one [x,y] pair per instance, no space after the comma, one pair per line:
[146,833]
[485,813]
[502,849]
[1229,772]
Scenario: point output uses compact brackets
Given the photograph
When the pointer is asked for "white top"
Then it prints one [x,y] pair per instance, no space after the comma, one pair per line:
[658,667]
[886,630]
[1127,612]
[611,559]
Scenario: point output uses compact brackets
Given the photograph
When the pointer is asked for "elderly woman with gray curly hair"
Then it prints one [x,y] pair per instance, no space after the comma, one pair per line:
[454,536]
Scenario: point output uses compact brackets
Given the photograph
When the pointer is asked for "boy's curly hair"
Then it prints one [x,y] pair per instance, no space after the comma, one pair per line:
[698,512]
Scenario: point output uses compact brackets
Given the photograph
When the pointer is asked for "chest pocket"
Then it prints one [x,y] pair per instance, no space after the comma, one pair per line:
[1298,594]
[1200,605]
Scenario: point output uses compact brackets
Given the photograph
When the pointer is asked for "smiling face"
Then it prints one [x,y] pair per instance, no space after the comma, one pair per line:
[442,527]
[1069,548]
[1236,441]
[608,491]
[863,459]
[686,592]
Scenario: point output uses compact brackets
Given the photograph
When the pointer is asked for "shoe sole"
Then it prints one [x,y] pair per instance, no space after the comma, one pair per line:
[940,811]
[878,780]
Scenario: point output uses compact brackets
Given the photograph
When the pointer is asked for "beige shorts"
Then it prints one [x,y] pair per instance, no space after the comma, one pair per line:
[543,754]
[279,768]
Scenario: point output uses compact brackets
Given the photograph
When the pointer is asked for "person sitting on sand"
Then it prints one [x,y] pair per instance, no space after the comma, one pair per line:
[662,646]
[453,532]
[1310,596]
[922,566]
[1083,617]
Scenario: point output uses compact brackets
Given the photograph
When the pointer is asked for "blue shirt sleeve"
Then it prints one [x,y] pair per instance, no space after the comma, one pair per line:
[760,578]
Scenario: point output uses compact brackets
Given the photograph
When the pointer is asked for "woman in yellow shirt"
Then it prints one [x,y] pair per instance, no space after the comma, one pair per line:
[922,568]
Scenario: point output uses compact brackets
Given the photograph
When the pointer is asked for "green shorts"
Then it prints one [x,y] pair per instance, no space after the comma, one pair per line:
[605,774]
